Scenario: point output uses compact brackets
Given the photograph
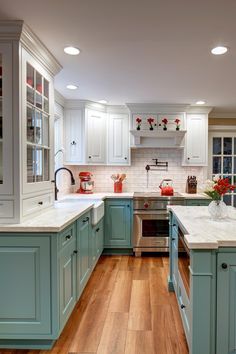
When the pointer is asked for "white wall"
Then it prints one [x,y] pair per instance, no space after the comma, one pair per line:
[137,176]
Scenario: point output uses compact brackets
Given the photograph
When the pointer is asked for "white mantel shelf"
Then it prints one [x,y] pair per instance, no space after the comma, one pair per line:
[175,135]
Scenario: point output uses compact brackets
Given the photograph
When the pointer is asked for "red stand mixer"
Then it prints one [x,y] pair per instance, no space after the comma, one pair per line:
[86,183]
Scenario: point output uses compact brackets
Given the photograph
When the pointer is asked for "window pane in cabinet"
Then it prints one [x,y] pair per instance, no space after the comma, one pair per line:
[30,95]
[216,146]
[45,130]
[216,165]
[30,124]
[46,105]
[227,199]
[46,88]
[39,83]
[39,101]
[38,127]
[30,164]
[46,165]
[30,75]
[227,146]
[38,164]
[227,165]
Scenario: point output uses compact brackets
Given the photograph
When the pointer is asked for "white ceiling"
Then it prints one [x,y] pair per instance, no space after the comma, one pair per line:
[138,51]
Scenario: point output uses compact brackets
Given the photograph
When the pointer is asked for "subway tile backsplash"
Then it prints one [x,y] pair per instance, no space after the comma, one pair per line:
[136,174]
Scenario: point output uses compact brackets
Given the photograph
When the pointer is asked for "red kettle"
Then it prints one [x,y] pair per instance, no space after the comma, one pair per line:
[166,187]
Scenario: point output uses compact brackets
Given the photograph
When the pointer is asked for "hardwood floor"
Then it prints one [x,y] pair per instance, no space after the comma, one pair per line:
[125,309]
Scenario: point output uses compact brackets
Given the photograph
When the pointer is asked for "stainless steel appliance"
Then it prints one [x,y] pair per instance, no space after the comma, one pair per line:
[183,261]
[151,221]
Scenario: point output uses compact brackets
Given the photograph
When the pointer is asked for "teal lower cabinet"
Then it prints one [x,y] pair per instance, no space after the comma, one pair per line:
[118,216]
[197,202]
[97,242]
[207,304]
[41,278]
[84,252]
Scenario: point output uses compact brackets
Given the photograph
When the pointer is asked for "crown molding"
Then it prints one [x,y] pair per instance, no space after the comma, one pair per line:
[156,108]
[199,109]
[17,30]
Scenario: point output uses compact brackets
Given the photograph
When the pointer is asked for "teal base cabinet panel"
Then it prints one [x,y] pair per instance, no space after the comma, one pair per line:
[97,237]
[84,252]
[197,202]
[118,216]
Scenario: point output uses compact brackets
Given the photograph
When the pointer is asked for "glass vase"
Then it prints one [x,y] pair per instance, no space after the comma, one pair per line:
[217,209]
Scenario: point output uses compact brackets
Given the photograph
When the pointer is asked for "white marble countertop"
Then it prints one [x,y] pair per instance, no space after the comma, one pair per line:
[201,232]
[100,196]
[53,219]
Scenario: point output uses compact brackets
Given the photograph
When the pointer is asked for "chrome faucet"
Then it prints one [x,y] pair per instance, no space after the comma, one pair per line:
[55,179]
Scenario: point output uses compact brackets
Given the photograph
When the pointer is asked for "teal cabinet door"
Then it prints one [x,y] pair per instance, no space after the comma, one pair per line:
[25,288]
[97,241]
[197,202]
[118,224]
[226,304]
[84,246]
[67,275]
[174,254]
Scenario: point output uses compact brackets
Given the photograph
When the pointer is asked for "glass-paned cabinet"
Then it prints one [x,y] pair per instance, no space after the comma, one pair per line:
[38,148]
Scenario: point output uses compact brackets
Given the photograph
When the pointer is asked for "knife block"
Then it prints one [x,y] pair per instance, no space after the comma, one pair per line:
[191,186]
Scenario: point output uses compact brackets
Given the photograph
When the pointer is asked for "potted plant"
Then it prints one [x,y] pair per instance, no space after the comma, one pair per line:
[216,189]
[164,122]
[138,123]
[177,122]
[150,122]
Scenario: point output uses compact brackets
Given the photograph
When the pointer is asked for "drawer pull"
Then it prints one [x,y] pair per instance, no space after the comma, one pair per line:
[173,238]
[182,306]
[174,225]
[40,203]
[75,252]
[224,265]
[68,237]
[98,229]
[86,220]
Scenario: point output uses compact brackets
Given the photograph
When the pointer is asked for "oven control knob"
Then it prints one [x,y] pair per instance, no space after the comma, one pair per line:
[146,205]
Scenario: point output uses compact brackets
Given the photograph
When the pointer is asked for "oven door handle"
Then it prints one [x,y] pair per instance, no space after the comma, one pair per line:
[151,212]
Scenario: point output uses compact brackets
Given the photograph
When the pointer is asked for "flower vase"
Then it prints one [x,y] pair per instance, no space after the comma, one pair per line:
[217,210]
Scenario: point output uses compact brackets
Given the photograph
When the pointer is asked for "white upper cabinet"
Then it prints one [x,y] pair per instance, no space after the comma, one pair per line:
[95,137]
[73,137]
[196,144]
[118,139]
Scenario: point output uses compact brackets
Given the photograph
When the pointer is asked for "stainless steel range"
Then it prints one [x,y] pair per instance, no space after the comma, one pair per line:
[151,221]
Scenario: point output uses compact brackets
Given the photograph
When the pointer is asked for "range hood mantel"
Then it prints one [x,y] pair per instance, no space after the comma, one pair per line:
[158,138]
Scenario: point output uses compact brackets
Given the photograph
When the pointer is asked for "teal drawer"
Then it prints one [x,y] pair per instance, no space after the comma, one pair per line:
[67,236]
[197,202]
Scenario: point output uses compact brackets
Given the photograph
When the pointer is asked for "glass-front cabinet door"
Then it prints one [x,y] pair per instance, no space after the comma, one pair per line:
[222,152]
[38,101]
[6,174]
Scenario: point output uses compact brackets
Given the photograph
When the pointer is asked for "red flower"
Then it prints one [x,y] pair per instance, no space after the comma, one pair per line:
[223,186]
[138,120]
[165,121]
[150,120]
[177,121]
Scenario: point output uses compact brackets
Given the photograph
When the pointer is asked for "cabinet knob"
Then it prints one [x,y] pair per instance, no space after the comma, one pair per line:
[75,252]
[173,238]
[188,158]
[174,225]
[98,229]
[73,143]
[68,237]
[40,203]
[224,265]
[125,158]
[182,306]
[86,219]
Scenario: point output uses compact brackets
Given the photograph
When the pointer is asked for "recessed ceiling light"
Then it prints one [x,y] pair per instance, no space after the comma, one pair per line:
[219,50]
[71,50]
[103,101]
[72,87]
[200,102]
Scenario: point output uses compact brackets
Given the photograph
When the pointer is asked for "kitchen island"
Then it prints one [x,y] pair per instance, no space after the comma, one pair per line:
[203,276]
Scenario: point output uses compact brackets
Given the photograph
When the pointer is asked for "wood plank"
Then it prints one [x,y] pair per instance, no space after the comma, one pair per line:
[120,299]
[114,334]
[140,342]
[158,288]
[140,308]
